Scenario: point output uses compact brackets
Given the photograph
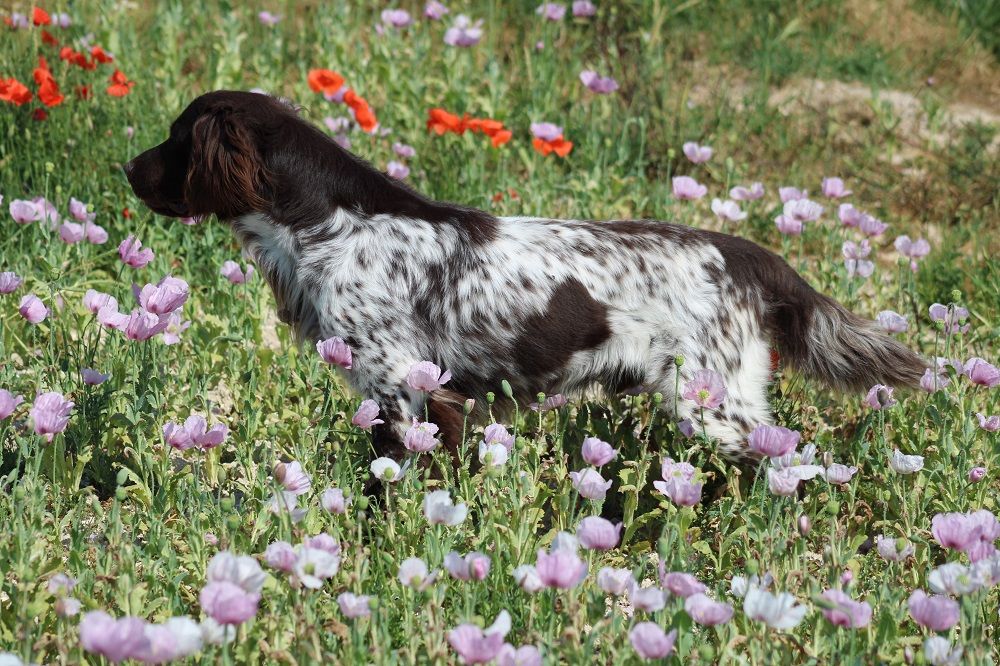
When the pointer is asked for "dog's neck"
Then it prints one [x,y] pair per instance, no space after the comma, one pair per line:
[277,252]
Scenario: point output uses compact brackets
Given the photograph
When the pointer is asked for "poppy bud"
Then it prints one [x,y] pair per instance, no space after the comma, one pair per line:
[470,405]
[804,524]
[227,504]
[122,476]
[507,390]
[678,360]
[490,397]
[279,472]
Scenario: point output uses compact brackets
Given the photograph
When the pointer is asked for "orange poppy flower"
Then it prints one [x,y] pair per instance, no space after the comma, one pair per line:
[47,38]
[100,55]
[40,17]
[559,146]
[120,85]
[440,121]
[500,138]
[15,92]
[363,113]
[324,81]
[48,89]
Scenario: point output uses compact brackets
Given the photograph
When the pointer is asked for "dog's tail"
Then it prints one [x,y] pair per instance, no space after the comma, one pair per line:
[849,352]
[815,333]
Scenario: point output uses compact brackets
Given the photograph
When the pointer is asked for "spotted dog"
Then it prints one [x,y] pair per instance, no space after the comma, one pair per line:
[550,305]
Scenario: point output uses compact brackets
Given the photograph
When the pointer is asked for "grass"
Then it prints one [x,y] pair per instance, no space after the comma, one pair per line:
[107,503]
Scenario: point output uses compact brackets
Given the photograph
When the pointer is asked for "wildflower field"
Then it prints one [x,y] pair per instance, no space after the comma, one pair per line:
[180,481]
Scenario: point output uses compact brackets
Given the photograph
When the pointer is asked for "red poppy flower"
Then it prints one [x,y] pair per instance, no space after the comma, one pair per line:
[47,38]
[83,92]
[324,81]
[440,121]
[15,92]
[48,89]
[100,55]
[363,113]
[120,85]
[39,114]
[559,146]
[126,213]
[40,17]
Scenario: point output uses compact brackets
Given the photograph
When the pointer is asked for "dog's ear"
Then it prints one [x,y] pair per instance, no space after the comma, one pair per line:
[226,174]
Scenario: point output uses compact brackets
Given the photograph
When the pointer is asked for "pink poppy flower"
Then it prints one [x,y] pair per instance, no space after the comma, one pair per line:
[281,556]
[495,433]
[194,432]
[788,226]
[116,640]
[904,464]
[590,484]
[419,437]
[366,415]
[752,193]
[648,599]
[602,85]
[615,581]
[892,322]
[165,296]
[333,500]
[133,254]
[706,389]
[175,326]
[981,373]
[474,566]
[680,584]
[551,11]
[140,325]
[561,568]
[936,612]
[597,452]
[292,477]
[435,10]
[893,549]
[833,188]
[551,402]
[546,131]
[872,226]
[396,18]
[596,533]
[463,32]
[839,474]
[686,188]
[707,612]
[933,381]
[50,414]
[397,170]
[92,377]
[917,249]
[728,210]
[526,655]
[480,646]
[174,639]
[47,212]
[783,481]
[268,19]
[335,352]
[849,215]
[24,211]
[324,542]
[651,642]
[426,376]
[9,281]
[95,300]
[880,397]
[697,154]
[977,474]
[354,606]
[71,232]
[8,403]
[78,210]
[791,194]
[989,424]
[846,611]
[584,8]
[33,309]
[802,210]
[952,317]
[232,272]
[855,258]
[773,441]
[403,150]
[440,509]
[228,603]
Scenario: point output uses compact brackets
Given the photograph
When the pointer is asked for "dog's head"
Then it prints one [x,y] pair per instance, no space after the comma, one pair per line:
[213,161]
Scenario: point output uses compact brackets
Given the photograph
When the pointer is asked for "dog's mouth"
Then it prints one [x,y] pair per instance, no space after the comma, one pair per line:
[167,208]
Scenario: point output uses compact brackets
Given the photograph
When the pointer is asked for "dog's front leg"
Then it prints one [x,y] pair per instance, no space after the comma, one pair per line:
[383,379]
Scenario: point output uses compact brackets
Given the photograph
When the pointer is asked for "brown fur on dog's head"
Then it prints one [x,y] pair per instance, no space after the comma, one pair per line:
[212,162]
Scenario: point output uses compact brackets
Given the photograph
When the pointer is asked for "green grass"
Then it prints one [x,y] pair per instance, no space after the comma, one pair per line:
[107,503]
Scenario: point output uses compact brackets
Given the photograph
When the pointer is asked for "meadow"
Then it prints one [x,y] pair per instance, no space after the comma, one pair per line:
[181,482]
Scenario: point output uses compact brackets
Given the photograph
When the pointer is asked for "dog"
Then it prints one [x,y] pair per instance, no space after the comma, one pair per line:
[549,305]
